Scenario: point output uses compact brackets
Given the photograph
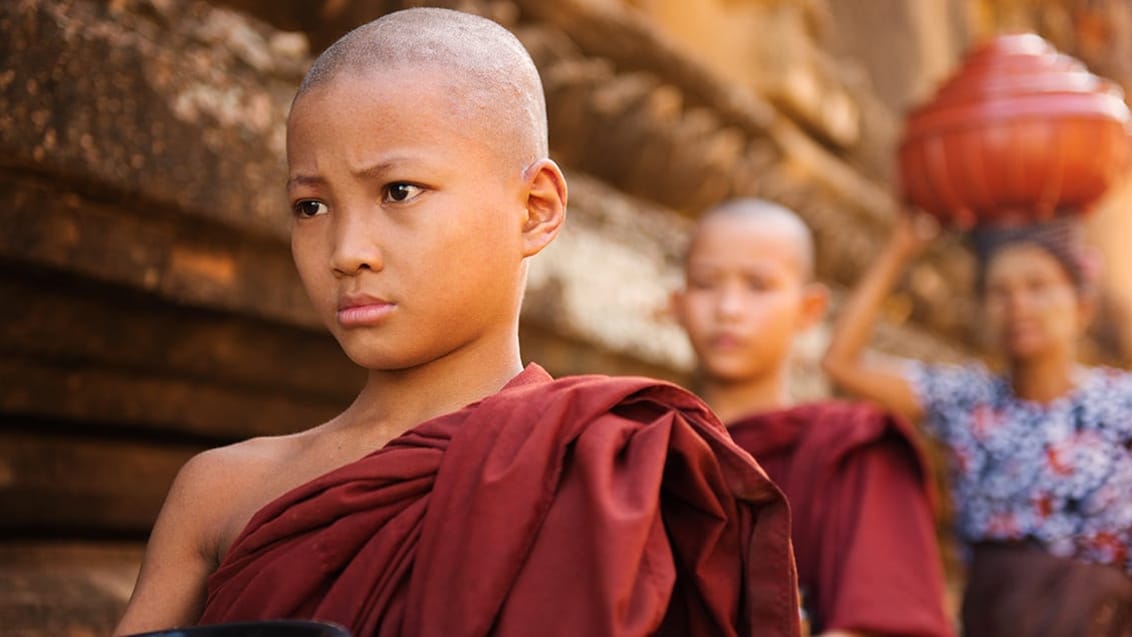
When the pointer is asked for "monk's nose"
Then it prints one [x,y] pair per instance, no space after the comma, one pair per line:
[729,304]
[356,246]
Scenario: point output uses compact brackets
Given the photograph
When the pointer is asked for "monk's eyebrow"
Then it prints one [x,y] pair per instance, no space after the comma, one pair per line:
[376,169]
[304,180]
[367,171]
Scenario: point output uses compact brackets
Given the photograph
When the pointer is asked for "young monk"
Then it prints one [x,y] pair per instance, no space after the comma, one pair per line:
[460,494]
[868,563]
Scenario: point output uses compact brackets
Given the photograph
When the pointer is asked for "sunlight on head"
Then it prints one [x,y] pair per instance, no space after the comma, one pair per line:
[492,79]
[770,218]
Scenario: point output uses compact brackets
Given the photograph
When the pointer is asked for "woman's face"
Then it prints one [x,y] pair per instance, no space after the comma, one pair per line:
[1032,307]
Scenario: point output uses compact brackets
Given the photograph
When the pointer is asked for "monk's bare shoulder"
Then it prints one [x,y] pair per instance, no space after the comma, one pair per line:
[227,485]
[201,515]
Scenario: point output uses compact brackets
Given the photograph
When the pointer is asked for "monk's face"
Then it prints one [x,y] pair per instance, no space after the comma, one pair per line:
[745,297]
[407,222]
[1032,307]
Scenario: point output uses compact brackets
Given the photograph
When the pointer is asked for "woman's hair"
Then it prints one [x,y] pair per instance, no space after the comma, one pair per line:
[1061,238]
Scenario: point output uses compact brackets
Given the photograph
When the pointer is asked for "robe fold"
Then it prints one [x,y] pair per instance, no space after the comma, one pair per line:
[862,521]
[580,506]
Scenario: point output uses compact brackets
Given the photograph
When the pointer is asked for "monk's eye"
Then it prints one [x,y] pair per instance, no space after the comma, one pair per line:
[700,279]
[758,284]
[307,208]
[401,192]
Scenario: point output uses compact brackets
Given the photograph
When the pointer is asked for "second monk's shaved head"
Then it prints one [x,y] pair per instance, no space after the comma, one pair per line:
[492,78]
[772,218]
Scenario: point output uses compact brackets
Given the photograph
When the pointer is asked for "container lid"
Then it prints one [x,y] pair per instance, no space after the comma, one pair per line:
[1013,76]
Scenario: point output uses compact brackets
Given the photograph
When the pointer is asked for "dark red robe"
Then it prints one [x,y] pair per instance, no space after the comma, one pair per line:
[861,505]
[580,506]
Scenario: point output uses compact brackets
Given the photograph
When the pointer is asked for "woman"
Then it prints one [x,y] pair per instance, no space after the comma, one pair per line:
[1040,467]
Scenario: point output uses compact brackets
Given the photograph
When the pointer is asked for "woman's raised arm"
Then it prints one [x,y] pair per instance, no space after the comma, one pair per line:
[844,361]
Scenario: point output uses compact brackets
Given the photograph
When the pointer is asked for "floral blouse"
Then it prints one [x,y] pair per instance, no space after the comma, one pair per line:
[1059,474]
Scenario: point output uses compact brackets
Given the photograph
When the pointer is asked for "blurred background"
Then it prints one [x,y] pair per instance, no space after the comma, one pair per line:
[149,308]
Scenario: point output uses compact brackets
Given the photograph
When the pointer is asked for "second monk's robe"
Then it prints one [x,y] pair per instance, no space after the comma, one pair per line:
[579,506]
[861,505]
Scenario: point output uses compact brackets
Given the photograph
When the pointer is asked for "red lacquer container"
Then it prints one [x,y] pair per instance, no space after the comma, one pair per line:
[1020,133]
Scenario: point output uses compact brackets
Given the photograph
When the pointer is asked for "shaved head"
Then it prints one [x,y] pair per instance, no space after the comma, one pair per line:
[489,76]
[784,223]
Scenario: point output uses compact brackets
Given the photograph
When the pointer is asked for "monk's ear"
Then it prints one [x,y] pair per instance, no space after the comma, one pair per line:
[676,305]
[546,205]
[815,302]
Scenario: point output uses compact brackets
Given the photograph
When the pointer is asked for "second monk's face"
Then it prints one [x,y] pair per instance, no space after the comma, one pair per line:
[407,231]
[744,296]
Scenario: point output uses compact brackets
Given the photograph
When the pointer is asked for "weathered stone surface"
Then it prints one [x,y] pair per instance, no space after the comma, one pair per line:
[638,133]
[890,54]
[1098,32]
[632,254]
[1108,230]
[183,113]
[174,256]
[66,321]
[90,395]
[68,483]
[905,48]
[633,43]
[65,589]
[770,47]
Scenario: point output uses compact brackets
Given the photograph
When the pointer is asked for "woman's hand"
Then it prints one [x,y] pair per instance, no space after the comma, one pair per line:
[913,231]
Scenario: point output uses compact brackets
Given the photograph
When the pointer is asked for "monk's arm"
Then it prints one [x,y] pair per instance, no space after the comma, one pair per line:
[888,576]
[181,553]
[844,361]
